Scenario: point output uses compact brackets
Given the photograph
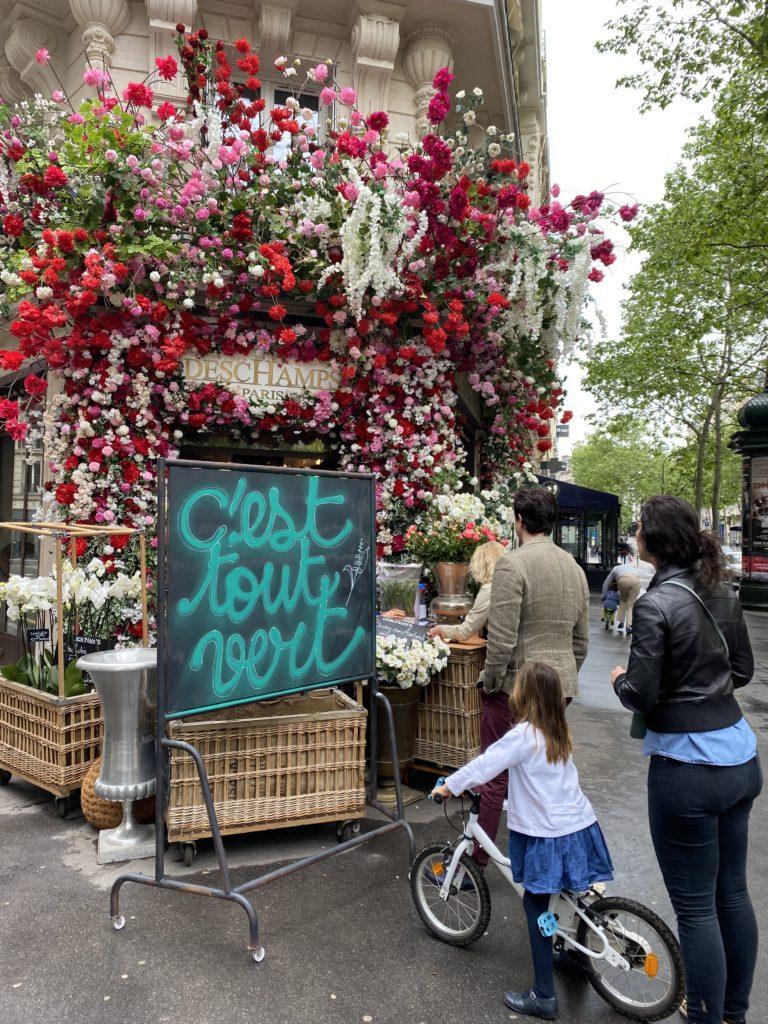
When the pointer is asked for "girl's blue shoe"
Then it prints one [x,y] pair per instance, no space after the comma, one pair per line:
[529,1004]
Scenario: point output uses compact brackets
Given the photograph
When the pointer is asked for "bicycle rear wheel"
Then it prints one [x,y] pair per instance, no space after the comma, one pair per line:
[653,987]
[461,918]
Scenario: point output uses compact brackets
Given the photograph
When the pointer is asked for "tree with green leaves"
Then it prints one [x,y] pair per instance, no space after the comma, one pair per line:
[695,325]
[619,457]
[689,48]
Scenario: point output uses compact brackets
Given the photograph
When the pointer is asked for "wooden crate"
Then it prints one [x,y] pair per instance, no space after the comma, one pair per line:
[50,741]
[293,761]
[448,730]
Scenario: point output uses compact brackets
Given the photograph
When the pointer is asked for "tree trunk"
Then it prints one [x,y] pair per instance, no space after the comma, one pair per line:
[702,439]
[718,462]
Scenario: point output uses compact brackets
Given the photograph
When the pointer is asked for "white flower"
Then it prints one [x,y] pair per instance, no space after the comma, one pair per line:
[469,117]
[460,94]
[494,149]
[477,91]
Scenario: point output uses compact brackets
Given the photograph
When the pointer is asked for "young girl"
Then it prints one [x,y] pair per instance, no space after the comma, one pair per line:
[555,841]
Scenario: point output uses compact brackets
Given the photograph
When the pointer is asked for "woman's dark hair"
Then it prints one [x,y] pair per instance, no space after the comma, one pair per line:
[671,533]
[537,507]
[537,697]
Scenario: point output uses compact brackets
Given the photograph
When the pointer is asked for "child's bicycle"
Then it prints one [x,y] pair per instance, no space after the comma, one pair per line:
[629,955]
[611,602]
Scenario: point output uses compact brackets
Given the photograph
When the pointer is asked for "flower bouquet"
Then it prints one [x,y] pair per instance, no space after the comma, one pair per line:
[401,664]
[92,604]
[455,526]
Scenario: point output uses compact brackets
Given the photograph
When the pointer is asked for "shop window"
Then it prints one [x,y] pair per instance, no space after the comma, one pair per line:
[569,534]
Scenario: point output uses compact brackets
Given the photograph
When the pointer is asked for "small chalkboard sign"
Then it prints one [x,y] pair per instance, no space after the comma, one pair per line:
[39,636]
[86,645]
[269,583]
[406,630]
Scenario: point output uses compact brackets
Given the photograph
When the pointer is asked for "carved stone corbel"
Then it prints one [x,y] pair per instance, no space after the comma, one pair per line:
[275,23]
[26,37]
[428,48]
[169,13]
[12,89]
[101,21]
[375,42]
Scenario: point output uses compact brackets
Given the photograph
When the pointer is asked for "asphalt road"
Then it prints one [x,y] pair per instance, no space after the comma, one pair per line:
[343,942]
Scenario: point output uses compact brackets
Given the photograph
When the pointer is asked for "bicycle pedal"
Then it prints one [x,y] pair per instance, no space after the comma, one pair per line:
[547,924]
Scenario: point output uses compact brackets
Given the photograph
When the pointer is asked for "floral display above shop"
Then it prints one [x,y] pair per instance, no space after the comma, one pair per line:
[335,281]
[454,526]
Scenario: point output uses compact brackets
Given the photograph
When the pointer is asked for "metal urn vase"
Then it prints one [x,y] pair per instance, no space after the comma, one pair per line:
[451,605]
[126,682]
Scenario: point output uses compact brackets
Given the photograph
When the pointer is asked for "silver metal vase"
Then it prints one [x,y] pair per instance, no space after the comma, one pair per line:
[126,682]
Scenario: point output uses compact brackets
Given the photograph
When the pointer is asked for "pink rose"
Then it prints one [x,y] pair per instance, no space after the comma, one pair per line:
[320,73]
[327,95]
[43,56]
[348,96]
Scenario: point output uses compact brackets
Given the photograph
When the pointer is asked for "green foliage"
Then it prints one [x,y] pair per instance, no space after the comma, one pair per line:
[620,458]
[688,48]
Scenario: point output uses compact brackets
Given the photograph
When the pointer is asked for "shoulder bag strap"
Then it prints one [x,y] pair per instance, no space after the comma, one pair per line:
[712,619]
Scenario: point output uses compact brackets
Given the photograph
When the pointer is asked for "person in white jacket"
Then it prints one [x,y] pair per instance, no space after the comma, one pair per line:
[555,841]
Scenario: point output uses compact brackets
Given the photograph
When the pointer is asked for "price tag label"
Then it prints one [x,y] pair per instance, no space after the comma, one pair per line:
[39,636]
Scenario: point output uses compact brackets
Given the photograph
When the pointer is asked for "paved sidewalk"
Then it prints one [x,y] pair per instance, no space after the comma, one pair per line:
[343,942]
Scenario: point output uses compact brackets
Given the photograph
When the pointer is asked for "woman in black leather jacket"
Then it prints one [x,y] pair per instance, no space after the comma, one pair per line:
[690,651]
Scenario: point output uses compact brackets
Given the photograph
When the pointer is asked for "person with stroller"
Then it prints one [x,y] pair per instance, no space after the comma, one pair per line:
[625,579]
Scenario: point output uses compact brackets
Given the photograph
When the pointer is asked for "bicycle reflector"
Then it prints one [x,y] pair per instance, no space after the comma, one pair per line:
[547,924]
[651,965]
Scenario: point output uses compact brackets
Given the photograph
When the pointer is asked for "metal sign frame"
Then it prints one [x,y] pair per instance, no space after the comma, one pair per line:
[227,891]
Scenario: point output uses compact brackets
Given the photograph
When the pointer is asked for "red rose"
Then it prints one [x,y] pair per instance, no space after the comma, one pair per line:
[166,110]
[54,176]
[11,359]
[378,121]
[65,494]
[167,68]
[13,225]
[138,94]
[34,385]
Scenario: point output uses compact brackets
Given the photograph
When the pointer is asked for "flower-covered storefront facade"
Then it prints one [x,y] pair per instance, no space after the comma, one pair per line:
[355,300]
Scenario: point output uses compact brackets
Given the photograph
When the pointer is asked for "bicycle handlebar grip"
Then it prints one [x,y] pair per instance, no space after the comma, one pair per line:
[436,797]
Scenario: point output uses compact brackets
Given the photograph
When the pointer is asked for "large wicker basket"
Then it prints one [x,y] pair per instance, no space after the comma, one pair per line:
[50,741]
[448,730]
[292,761]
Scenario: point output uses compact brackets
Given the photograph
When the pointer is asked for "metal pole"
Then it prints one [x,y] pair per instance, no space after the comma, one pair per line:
[161,642]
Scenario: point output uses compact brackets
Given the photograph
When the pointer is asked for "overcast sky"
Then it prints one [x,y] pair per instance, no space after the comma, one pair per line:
[599,140]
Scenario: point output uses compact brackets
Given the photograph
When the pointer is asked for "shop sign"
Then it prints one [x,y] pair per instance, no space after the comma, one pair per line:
[269,379]
[270,586]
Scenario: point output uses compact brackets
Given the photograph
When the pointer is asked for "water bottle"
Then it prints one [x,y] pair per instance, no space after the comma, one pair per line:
[421,604]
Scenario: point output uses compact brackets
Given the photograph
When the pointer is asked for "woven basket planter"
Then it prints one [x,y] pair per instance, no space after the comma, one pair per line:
[293,761]
[448,729]
[47,740]
[102,814]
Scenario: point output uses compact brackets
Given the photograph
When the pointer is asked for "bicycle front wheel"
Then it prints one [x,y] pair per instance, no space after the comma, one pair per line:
[652,989]
[461,918]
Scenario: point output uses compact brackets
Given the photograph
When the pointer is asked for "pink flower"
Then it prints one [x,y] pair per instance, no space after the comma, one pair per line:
[348,96]
[628,213]
[442,79]
[43,56]
[349,192]
[317,159]
[94,77]
[320,73]
[110,156]
[327,95]
[555,190]
[57,95]
[76,119]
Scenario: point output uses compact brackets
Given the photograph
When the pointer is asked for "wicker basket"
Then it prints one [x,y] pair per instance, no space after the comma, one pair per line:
[104,814]
[292,761]
[448,730]
[47,740]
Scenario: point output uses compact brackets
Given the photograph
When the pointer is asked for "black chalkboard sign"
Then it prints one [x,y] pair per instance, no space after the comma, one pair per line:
[39,636]
[404,629]
[269,580]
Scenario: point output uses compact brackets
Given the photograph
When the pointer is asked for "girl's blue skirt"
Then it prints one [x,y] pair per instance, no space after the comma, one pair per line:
[571,862]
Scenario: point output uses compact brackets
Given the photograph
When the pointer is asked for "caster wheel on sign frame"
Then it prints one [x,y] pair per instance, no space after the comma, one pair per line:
[345,830]
[118,923]
[188,852]
[61,803]
[5,777]
[258,954]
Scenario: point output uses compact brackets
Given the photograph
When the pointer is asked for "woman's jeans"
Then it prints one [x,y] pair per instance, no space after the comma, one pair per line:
[699,817]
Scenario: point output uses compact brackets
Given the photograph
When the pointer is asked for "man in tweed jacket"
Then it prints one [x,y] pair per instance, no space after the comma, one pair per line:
[539,612]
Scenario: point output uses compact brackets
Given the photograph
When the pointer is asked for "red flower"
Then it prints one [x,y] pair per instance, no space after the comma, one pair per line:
[497,299]
[596,275]
[378,121]
[242,45]
[167,68]
[11,359]
[544,446]
[628,213]
[8,410]
[138,94]
[277,312]
[166,110]
[442,79]
[13,225]
[16,429]
[65,493]
[54,176]
[35,386]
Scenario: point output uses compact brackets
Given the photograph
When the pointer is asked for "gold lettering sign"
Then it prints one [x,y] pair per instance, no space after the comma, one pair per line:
[263,378]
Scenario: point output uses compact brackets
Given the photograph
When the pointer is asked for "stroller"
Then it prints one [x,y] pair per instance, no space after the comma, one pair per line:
[611,601]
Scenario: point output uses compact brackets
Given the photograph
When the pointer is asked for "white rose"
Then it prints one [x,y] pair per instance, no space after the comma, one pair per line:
[477,91]
[469,117]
